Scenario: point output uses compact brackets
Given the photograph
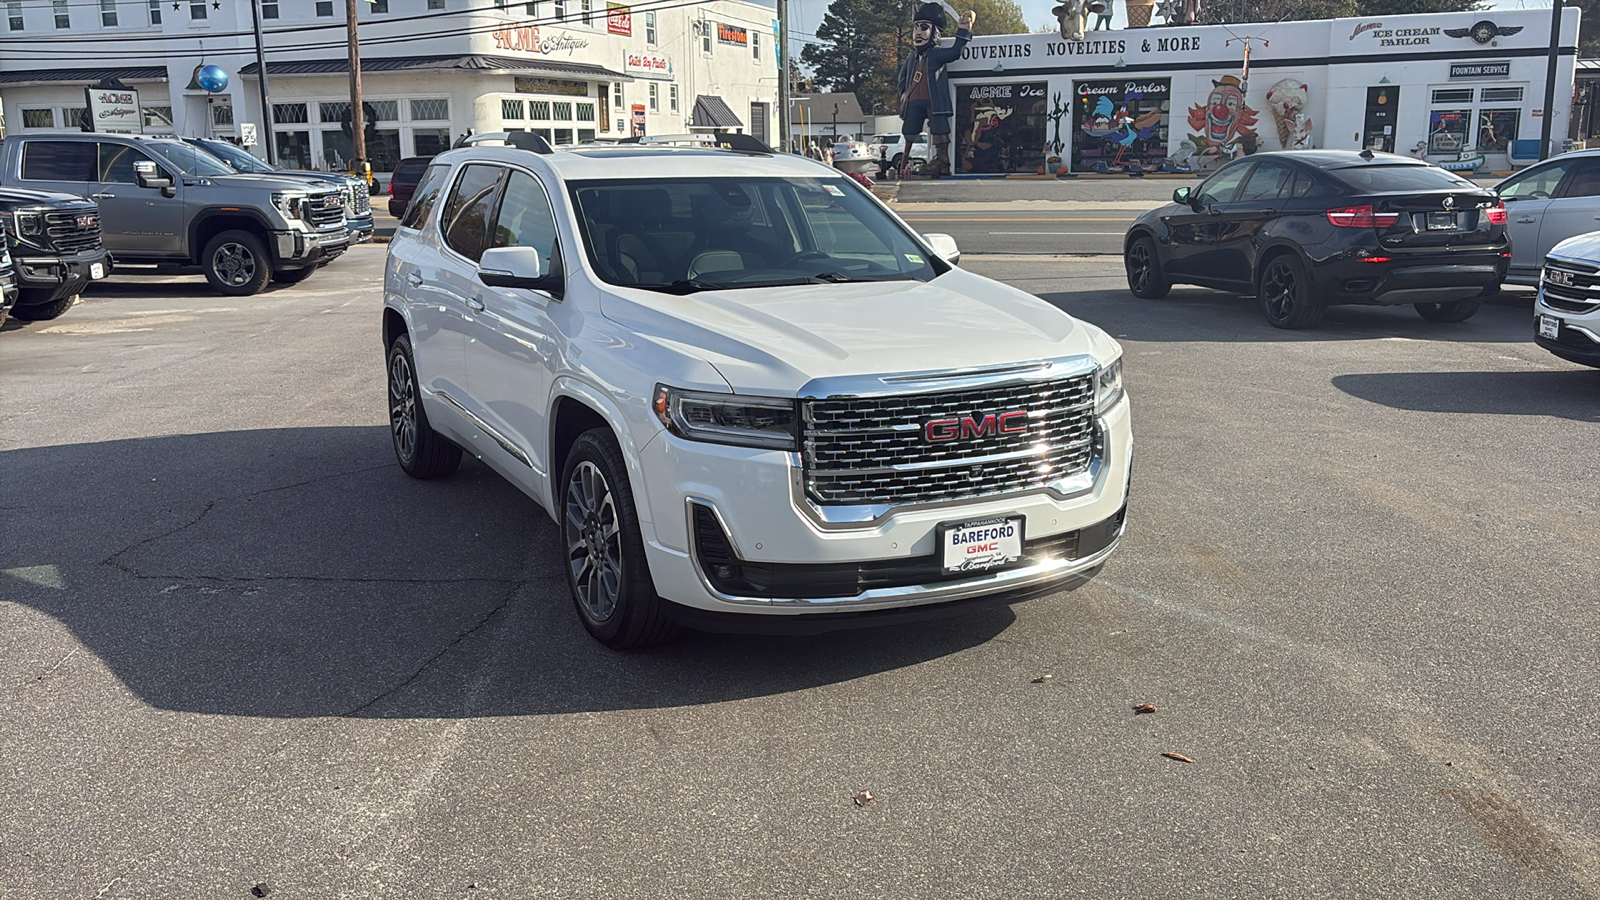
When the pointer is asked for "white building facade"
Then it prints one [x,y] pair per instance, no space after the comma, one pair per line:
[1442,86]
[571,70]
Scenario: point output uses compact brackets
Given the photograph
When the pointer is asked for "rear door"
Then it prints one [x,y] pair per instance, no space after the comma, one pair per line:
[1527,195]
[134,219]
[464,226]
[1193,229]
[1240,221]
[66,166]
[1575,209]
[416,275]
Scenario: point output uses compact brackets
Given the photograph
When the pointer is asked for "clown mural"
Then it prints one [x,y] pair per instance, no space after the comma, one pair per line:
[925,88]
[1225,125]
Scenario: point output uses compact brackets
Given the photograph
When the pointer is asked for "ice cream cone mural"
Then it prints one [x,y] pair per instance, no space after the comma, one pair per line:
[1287,101]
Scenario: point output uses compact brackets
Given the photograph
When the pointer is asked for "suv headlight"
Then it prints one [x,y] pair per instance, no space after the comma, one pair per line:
[1107,386]
[291,204]
[743,421]
[25,223]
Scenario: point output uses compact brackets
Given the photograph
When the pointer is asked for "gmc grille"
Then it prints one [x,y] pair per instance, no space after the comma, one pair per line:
[1581,296]
[358,203]
[67,236]
[326,209]
[874,450]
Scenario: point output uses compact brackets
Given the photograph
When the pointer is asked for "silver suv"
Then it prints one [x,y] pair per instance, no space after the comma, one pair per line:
[751,397]
[171,206]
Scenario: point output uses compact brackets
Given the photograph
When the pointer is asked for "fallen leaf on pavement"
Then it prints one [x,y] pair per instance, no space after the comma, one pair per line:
[1141,709]
[864,797]
[1177,756]
[1043,678]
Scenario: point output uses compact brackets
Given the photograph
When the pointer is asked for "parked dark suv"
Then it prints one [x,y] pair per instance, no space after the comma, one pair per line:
[54,239]
[1309,229]
[404,183]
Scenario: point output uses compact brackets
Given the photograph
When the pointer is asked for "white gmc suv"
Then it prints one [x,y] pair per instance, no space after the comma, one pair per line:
[749,394]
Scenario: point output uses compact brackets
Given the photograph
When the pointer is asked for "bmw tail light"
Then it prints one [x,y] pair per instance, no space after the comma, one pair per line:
[1363,216]
[1497,214]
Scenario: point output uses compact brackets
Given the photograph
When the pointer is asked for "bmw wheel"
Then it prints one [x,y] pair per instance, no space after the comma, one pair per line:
[1286,294]
[1145,278]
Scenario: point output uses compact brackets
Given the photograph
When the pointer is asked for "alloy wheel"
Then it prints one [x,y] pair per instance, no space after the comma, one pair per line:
[1139,267]
[234,264]
[403,406]
[594,541]
[1278,288]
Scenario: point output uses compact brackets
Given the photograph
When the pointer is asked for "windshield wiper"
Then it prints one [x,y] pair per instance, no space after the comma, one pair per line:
[837,278]
[686,286]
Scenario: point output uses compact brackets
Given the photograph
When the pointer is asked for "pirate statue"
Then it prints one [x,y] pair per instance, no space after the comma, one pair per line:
[924,87]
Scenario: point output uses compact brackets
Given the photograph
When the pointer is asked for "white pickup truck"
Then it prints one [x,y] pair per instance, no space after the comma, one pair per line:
[750,396]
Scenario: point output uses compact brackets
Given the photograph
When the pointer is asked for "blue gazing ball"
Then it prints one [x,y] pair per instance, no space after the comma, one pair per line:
[213,78]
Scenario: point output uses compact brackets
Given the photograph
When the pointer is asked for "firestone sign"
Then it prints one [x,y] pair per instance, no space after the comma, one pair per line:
[114,110]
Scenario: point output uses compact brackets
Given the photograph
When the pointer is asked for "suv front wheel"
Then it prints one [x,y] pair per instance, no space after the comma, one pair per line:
[606,567]
[236,263]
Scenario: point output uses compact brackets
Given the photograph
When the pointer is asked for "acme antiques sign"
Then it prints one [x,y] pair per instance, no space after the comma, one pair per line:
[527,38]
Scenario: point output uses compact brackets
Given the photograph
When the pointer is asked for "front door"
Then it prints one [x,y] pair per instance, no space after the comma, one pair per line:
[1575,208]
[1240,221]
[1194,228]
[1382,104]
[1527,196]
[136,220]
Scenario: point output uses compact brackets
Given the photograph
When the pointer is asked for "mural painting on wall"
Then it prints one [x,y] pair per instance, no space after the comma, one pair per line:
[1224,125]
[1000,127]
[1120,126]
[1287,101]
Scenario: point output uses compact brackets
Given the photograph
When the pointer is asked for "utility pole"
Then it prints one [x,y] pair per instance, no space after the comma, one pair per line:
[783,76]
[358,124]
[267,136]
[1550,81]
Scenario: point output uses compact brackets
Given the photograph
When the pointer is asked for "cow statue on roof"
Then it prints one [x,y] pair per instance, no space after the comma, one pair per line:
[925,97]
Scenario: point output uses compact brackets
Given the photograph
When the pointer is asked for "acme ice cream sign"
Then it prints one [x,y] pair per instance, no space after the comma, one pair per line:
[1396,37]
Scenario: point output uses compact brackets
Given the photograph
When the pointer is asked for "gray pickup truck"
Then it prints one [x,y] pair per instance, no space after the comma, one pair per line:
[175,208]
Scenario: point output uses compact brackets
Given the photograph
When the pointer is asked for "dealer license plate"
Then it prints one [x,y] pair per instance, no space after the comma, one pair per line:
[1549,327]
[1441,221]
[97,271]
[976,546]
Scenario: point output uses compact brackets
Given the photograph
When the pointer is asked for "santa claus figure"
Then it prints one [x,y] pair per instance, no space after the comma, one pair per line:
[925,98]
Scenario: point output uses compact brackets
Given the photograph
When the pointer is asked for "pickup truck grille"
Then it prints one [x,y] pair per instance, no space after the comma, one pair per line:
[326,209]
[73,230]
[1571,286]
[359,204]
[921,448]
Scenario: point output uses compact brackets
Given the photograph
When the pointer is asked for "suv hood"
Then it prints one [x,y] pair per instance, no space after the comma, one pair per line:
[12,198]
[775,339]
[1579,248]
[275,182]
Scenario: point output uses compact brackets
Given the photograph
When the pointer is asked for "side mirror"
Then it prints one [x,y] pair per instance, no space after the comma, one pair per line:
[148,176]
[945,247]
[1182,195]
[517,267]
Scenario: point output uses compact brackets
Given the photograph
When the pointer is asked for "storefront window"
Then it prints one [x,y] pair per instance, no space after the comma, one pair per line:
[222,114]
[38,118]
[294,149]
[430,110]
[289,113]
[545,133]
[387,110]
[585,112]
[585,135]
[1448,130]
[512,109]
[1000,127]
[562,110]
[539,109]
[1497,128]
[157,118]
[337,149]
[563,136]
[429,141]
[383,151]
[1115,124]
[72,116]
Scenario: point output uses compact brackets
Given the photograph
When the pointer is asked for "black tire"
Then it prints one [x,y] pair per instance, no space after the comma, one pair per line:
[607,573]
[293,276]
[1143,267]
[44,312]
[236,263]
[898,159]
[1454,311]
[1285,294]
[421,451]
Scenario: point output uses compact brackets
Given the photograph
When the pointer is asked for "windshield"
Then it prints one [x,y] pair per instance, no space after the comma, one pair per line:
[189,160]
[1402,178]
[240,159]
[685,235]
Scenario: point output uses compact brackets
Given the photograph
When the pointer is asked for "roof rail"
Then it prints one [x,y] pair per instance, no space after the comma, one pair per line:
[738,143]
[522,140]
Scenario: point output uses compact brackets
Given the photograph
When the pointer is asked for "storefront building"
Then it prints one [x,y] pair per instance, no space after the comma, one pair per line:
[1447,87]
[571,70]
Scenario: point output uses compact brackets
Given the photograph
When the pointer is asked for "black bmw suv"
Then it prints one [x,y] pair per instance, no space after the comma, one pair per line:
[1308,229]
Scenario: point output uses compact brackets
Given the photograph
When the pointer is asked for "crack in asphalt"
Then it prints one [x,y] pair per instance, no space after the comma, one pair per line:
[112,559]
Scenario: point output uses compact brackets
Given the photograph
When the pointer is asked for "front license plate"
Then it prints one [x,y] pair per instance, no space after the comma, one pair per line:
[976,546]
[97,271]
[1441,221]
[1549,327]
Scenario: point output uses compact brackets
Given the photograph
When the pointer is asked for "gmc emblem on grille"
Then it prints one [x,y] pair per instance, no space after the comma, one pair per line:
[1556,276]
[1014,422]
[88,221]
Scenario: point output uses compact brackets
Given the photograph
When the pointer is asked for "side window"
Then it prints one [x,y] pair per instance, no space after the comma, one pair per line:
[426,197]
[1266,183]
[116,163]
[526,221]
[1303,184]
[58,161]
[467,213]
[1538,184]
[1221,187]
[1585,180]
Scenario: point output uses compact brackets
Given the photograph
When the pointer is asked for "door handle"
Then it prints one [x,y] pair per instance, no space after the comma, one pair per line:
[474,304]
[415,279]
[1529,220]
[104,196]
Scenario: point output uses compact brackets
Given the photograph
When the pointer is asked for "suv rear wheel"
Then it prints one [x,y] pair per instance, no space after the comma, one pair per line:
[606,567]
[43,312]
[1286,294]
[422,452]
[236,263]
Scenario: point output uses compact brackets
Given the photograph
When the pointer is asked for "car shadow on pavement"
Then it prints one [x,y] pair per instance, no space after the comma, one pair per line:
[1567,394]
[299,573]
[1199,314]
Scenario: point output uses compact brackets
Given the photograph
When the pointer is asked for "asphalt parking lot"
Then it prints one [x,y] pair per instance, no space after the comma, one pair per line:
[240,650]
